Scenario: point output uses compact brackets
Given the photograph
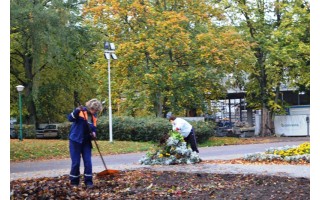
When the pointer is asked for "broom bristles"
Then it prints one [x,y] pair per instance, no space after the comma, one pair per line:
[108,172]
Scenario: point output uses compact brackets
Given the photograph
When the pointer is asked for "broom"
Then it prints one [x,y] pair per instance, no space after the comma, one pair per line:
[106,171]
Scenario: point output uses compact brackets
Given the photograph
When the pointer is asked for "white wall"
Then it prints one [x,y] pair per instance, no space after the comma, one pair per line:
[257,119]
[291,125]
[300,111]
[193,118]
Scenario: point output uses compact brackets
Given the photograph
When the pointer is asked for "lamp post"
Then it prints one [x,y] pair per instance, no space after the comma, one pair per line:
[109,49]
[20,89]
[300,93]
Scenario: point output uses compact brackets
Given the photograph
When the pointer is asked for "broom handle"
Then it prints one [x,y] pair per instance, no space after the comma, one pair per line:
[105,166]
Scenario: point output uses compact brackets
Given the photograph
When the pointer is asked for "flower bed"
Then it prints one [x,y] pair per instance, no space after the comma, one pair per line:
[173,151]
[286,153]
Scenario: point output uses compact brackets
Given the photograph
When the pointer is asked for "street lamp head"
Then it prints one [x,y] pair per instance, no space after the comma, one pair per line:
[109,49]
[20,88]
[107,55]
[106,45]
[109,46]
[114,57]
[112,46]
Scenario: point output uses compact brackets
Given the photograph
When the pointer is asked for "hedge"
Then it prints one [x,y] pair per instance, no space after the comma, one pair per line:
[133,129]
[28,131]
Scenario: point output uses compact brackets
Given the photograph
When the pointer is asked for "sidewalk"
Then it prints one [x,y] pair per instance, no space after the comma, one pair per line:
[52,168]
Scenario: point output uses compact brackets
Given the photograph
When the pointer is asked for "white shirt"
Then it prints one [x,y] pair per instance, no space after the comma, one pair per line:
[184,128]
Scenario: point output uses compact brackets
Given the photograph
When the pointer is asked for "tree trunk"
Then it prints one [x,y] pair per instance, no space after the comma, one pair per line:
[271,116]
[158,104]
[264,121]
[192,112]
[260,55]
[76,100]
[32,118]
[165,107]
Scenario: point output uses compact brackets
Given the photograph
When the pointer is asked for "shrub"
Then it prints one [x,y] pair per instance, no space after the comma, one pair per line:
[63,131]
[133,129]
[203,130]
[141,129]
[173,151]
[28,131]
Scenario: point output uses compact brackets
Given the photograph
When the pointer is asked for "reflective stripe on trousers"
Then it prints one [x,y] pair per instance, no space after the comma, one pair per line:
[76,151]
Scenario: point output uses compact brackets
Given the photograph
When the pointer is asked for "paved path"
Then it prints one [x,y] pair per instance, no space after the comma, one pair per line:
[52,168]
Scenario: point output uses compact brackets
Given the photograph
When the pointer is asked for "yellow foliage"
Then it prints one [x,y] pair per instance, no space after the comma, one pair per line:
[300,150]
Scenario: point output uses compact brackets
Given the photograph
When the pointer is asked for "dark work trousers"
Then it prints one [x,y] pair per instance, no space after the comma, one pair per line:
[76,151]
[191,138]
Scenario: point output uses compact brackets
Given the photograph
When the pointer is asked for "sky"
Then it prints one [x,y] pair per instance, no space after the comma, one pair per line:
[5,102]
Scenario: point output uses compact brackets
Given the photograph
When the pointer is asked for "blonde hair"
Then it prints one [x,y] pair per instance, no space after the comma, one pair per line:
[94,104]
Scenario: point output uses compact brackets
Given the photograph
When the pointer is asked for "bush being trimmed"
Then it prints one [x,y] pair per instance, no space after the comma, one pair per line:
[172,151]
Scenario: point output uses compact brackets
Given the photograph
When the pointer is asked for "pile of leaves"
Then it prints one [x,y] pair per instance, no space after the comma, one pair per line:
[147,184]
[172,150]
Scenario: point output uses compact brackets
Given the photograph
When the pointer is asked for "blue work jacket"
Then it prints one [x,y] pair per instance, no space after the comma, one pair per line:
[79,131]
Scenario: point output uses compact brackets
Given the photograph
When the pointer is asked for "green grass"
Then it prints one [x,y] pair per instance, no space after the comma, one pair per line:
[220,141]
[35,149]
[41,149]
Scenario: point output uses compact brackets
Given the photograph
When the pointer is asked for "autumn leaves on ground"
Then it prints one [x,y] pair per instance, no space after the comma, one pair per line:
[147,184]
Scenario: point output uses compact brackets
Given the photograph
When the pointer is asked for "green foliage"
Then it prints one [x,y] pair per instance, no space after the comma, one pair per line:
[28,131]
[203,130]
[63,132]
[142,129]
[49,55]
[133,129]
[176,135]
[172,56]
[279,33]
[281,45]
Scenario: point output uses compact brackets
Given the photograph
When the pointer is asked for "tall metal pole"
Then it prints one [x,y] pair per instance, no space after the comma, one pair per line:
[20,109]
[110,109]
[108,54]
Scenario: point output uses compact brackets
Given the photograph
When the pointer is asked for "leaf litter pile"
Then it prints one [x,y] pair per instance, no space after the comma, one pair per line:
[148,184]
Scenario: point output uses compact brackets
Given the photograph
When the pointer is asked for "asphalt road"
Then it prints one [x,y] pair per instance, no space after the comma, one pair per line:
[51,168]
